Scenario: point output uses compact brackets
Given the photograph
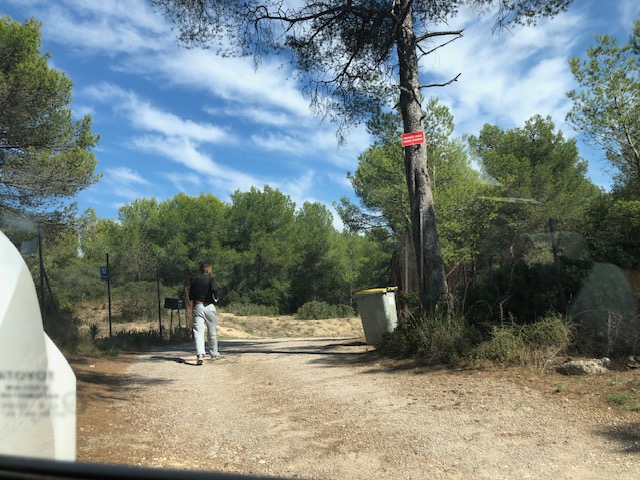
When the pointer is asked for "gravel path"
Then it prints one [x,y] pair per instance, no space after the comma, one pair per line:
[327,409]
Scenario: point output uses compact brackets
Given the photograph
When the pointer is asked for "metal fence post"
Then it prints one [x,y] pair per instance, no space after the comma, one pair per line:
[109,294]
[159,309]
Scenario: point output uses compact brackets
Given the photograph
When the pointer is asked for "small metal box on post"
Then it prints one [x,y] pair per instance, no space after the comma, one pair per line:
[377,308]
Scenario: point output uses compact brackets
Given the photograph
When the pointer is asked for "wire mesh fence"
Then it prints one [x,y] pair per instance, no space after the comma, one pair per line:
[82,297]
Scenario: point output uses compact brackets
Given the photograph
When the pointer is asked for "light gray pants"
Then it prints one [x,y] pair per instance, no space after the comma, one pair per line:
[205,314]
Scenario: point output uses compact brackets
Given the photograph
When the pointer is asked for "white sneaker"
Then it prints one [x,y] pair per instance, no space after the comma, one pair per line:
[214,357]
[200,359]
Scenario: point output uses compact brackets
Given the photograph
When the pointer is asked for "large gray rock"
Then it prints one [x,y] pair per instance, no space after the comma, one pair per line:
[605,313]
[584,367]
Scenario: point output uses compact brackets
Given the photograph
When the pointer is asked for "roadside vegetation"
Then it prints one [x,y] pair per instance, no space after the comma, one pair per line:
[539,261]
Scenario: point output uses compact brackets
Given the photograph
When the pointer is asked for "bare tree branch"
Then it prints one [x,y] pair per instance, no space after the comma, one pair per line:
[429,85]
[457,33]
[424,53]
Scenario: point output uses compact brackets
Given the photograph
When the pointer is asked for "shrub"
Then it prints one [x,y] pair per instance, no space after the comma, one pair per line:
[94,331]
[130,340]
[440,337]
[523,291]
[319,310]
[252,310]
[505,345]
[62,328]
[75,283]
[618,398]
[403,342]
[533,345]
[138,301]
[448,339]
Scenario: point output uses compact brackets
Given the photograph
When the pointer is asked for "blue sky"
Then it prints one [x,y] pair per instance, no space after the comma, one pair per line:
[177,120]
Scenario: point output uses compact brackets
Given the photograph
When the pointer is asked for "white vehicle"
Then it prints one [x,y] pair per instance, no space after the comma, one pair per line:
[37,385]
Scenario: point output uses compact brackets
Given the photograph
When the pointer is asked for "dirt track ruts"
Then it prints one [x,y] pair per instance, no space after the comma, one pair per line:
[329,409]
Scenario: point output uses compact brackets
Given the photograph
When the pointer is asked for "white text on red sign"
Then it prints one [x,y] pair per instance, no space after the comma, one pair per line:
[413,138]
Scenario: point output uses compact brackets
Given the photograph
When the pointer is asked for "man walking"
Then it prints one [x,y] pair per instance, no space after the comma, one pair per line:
[203,294]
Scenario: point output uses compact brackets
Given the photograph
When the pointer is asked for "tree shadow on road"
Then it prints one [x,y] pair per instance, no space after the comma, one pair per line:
[321,346]
[117,383]
[105,378]
[627,436]
[328,352]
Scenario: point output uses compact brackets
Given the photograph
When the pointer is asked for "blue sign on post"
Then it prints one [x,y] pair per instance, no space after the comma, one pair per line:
[104,273]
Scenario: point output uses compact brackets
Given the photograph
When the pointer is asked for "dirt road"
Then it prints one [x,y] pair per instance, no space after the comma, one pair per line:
[325,408]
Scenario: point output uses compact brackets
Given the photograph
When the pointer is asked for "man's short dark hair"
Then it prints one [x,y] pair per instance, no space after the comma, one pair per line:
[204,266]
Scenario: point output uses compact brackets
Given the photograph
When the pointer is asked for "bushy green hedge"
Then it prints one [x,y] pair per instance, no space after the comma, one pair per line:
[320,310]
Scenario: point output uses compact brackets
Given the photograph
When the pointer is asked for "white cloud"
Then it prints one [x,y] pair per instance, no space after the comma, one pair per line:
[343,156]
[507,78]
[298,188]
[107,27]
[146,117]
[256,114]
[125,183]
[185,152]
[316,145]
[136,13]
[182,141]
[80,111]
[629,10]
[232,79]
[141,44]
[259,120]
[341,180]
[125,175]
[181,150]
[280,143]
[151,49]
[184,181]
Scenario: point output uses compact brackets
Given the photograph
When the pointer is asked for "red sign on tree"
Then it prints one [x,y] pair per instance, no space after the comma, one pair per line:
[413,138]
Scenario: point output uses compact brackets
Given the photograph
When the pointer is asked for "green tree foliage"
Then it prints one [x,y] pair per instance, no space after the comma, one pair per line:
[315,310]
[45,155]
[259,230]
[168,238]
[264,252]
[379,182]
[380,185]
[613,232]
[311,272]
[361,261]
[190,229]
[372,50]
[132,243]
[537,175]
[607,106]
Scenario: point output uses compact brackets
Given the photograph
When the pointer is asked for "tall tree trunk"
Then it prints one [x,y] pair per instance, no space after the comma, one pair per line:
[433,284]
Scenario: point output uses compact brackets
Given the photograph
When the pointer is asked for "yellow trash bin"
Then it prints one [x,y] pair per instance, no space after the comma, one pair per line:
[377,308]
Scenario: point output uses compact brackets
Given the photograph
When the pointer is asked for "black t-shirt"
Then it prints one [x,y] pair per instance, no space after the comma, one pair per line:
[203,289]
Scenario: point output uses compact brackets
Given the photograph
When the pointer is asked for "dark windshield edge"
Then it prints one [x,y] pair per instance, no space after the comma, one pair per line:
[12,467]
